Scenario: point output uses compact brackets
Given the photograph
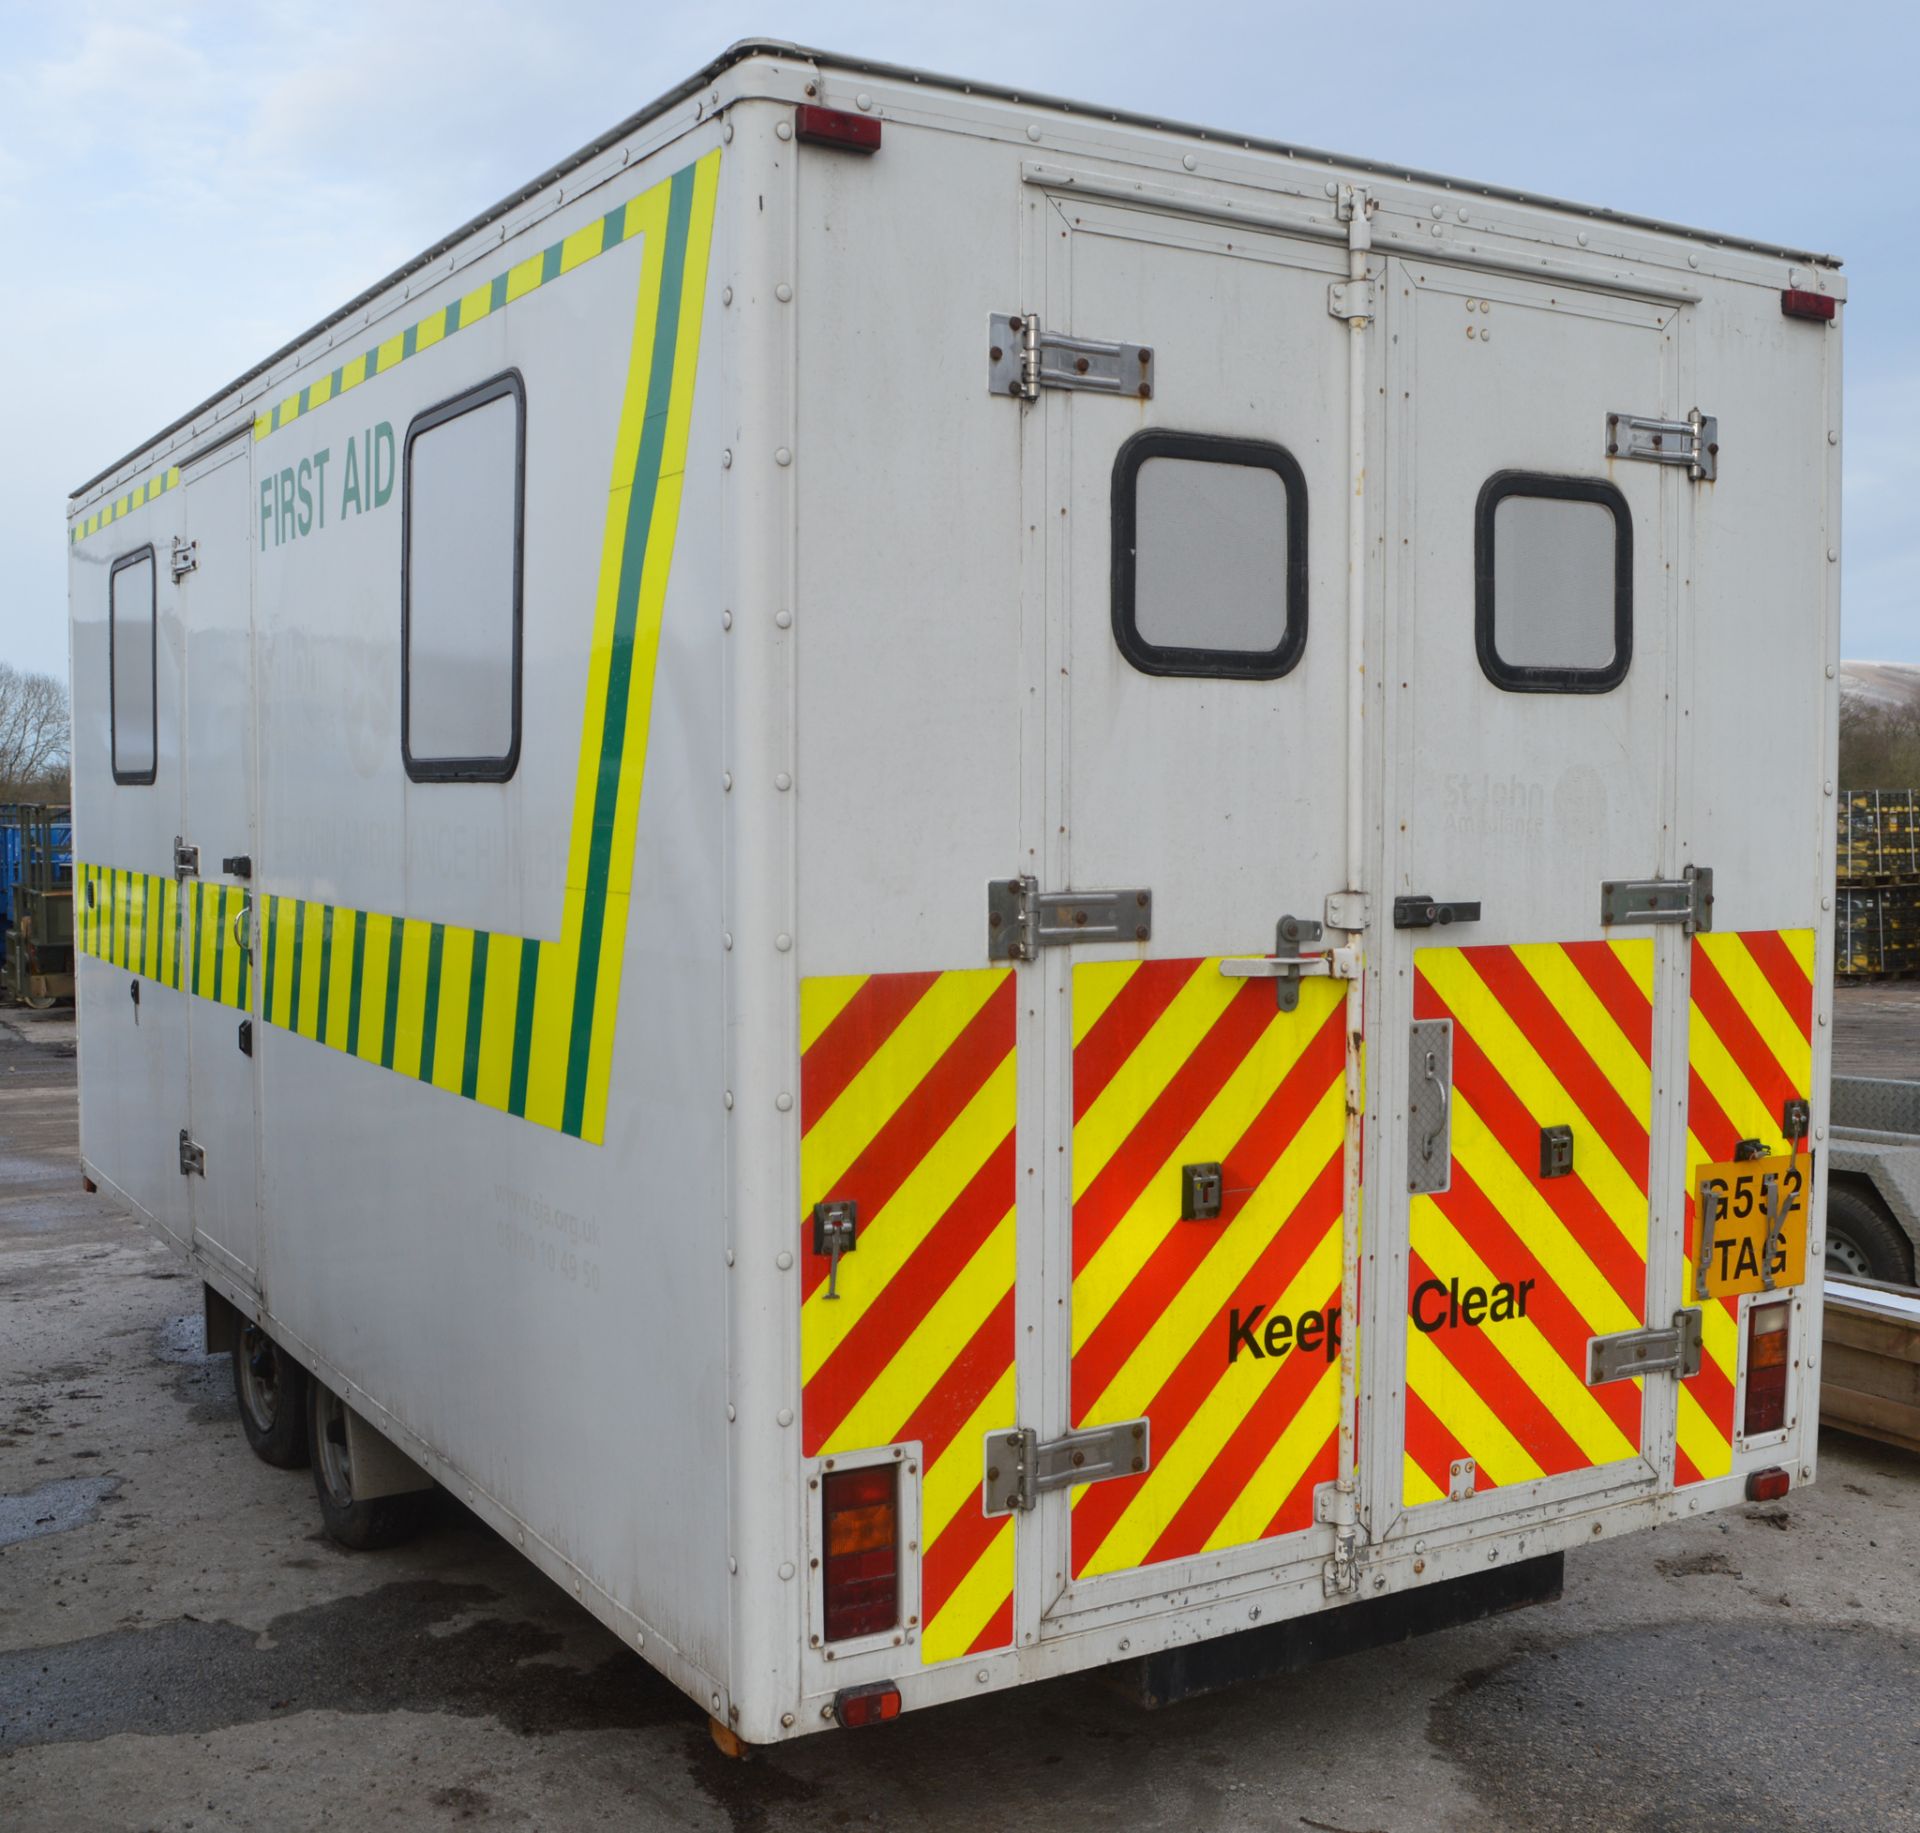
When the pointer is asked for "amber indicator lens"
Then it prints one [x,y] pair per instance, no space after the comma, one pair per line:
[861,1571]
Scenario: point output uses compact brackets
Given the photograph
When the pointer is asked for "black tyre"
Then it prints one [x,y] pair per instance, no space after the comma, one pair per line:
[385,1521]
[1863,1241]
[271,1388]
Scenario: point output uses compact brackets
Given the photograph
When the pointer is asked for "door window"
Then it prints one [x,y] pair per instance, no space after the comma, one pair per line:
[131,670]
[1209,556]
[1553,584]
[460,586]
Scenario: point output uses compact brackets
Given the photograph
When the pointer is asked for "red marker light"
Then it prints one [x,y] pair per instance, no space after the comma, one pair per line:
[868,1705]
[1768,1485]
[1798,304]
[1767,1337]
[833,127]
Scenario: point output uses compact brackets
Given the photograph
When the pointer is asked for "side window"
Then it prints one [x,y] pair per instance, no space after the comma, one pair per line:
[1209,556]
[1553,584]
[462,519]
[132,688]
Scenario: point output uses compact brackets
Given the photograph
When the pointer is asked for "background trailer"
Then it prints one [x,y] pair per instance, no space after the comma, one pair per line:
[767,850]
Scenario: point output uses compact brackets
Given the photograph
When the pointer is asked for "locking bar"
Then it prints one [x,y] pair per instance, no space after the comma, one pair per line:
[1022,359]
[1021,1466]
[1620,1357]
[1425,912]
[1686,900]
[1022,919]
[1288,962]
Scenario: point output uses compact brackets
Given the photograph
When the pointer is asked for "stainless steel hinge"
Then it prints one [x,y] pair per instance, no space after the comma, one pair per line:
[1022,359]
[1022,919]
[186,859]
[186,556]
[193,1161]
[1021,1466]
[1686,900]
[1693,442]
[1652,1351]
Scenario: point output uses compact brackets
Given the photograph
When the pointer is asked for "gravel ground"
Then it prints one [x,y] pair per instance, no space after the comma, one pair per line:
[180,1648]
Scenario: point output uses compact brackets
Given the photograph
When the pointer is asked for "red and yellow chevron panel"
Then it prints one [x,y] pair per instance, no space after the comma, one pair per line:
[907,1088]
[1749,1052]
[1510,1272]
[1224,1334]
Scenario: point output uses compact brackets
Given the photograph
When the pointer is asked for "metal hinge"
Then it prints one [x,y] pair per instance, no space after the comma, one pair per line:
[1693,442]
[1022,919]
[186,859]
[193,1161]
[1351,298]
[1022,359]
[1653,1351]
[1020,1466]
[1686,900]
[186,557]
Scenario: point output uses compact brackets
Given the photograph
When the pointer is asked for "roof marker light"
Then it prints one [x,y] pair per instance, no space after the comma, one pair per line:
[834,127]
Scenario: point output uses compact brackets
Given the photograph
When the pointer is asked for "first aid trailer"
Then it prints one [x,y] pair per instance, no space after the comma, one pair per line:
[964,887]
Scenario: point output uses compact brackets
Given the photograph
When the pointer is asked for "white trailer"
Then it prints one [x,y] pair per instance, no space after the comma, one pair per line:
[1116,687]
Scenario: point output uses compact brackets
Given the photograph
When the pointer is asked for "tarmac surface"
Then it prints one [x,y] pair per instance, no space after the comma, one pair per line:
[181,1648]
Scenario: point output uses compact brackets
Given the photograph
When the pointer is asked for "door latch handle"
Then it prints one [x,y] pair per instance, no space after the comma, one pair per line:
[1420,912]
[1438,1131]
[835,1232]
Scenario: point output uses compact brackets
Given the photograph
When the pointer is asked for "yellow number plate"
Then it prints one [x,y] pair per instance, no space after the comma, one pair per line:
[1745,1199]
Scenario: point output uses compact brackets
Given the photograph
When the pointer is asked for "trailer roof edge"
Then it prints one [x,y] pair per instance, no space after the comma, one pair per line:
[745,48]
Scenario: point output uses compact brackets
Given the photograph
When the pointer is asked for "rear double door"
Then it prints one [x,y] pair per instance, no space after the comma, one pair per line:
[1187,1260]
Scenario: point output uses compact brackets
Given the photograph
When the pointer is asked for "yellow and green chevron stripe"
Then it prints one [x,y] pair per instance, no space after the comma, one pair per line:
[158,484]
[521,1024]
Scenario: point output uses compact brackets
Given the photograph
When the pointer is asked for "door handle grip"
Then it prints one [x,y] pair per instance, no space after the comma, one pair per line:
[1440,1126]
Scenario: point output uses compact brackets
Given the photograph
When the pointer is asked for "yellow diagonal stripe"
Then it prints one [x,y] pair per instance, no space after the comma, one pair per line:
[1281,1470]
[974,1600]
[1517,1198]
[1096,985]
[1536,1364]
[1119,1259]
[882,1412]
[835,1139]
[1137,1084]
[1178,1468]
[822,1000]
[957,1475]
[1467,1419]
[1614,1054]
[1520,1065]
[1703,1442]
[1200,1300]
[1779,1029]
[1418,1487]
[890,1236]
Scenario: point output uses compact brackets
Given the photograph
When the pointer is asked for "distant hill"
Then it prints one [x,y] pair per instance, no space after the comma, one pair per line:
[1894,686]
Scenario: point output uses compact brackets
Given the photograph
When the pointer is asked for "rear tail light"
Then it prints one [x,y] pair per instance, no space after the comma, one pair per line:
[1767,1339]
[1768,1485]
[833,127]
[1821,307]
[860,1575]
[868,1705]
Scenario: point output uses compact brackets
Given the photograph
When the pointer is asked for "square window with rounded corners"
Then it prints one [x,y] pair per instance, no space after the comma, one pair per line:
[462,522]
[1209,556]
[1553,583]
[133,693]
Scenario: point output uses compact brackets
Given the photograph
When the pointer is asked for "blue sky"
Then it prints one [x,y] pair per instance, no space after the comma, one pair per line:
[184,187]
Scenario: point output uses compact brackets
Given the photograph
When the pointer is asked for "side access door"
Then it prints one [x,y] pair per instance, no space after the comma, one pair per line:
[1532,1179]
[1193,1105]
[216,907]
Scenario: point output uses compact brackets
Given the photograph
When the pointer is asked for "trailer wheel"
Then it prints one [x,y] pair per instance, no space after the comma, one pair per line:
[385,1521]
[271,1388]
[1862,1240]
